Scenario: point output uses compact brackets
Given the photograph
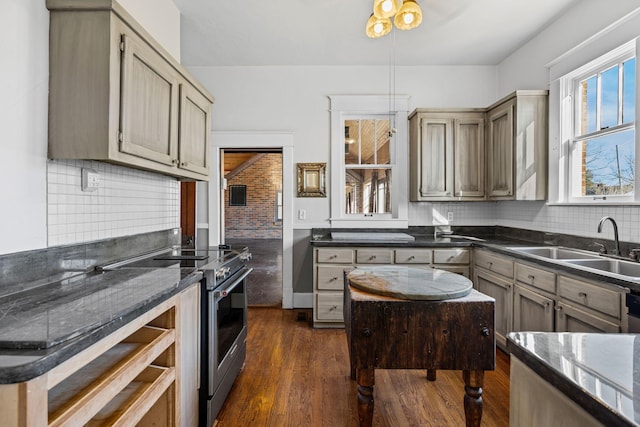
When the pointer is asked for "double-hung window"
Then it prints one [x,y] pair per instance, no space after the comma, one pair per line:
[599,124]
[369,161]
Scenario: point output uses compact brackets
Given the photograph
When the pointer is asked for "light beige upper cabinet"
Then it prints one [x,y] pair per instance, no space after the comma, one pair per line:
[116,95]
[517,146]
[446,155]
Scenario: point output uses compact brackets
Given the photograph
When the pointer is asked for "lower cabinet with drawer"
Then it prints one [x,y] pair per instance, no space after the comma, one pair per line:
[329,264]
[586,306]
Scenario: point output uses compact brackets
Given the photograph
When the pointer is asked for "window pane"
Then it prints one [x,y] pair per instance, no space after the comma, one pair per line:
[351,142]
[608,164]
[609,98]
[366,142]
[367,191]
[629,91]
[588,93]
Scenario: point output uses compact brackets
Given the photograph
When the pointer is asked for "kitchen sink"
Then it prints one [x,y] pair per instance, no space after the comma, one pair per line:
[557,252]
[624,268]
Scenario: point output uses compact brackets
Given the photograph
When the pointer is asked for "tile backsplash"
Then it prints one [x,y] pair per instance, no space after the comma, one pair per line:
[532,215]
[127,201]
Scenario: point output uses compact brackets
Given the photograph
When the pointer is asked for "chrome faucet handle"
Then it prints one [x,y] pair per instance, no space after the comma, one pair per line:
[603,248]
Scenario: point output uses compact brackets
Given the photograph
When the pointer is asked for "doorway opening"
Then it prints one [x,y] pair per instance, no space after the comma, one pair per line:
[253,217]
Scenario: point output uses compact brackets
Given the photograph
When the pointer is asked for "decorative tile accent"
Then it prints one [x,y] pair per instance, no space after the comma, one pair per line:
[128,201]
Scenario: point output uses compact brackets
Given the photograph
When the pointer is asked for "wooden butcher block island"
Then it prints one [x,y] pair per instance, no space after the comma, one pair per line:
[409,318]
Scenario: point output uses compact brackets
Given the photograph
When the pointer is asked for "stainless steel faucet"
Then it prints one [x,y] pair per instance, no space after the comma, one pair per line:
[615,231]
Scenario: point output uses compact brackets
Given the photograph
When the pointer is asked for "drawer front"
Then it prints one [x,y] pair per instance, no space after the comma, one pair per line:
[374,256]
[331,277]
[329,306]
[458,269]
[589,295]
[497,264]
[535,277]
[335,255]
[413,256]
[451,256]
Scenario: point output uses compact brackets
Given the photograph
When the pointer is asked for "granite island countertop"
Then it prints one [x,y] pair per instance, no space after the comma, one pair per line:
[600,372]
[60,319]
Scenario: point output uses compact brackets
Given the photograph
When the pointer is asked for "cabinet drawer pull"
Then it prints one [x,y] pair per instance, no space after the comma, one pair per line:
[372,257]
[333,308]
[411,258]
[557,308]
[490,264]
[532,277]
[452,257]
[333,279]
[582,294]
[333,256]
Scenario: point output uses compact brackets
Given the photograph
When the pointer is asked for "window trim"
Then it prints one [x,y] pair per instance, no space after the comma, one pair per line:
[569,108]
[345,107]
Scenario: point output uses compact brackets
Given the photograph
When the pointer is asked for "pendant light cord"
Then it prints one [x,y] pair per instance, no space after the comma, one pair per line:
[392,81]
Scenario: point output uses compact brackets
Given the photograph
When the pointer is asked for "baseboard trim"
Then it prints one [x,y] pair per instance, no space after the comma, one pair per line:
[302,300]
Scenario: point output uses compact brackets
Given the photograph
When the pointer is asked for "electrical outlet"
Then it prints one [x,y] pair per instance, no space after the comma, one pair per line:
[90,180]
[449,216]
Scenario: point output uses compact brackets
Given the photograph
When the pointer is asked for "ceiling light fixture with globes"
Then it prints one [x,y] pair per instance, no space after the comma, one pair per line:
[406,15]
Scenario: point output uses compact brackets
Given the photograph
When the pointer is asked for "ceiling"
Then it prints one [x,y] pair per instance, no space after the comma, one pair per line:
[331,32]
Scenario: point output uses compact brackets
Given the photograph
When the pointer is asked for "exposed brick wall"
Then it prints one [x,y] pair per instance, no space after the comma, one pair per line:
[256,220]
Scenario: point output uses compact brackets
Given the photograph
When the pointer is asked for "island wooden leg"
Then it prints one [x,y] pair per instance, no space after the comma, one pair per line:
[431,374]
[366,380]
[473,382]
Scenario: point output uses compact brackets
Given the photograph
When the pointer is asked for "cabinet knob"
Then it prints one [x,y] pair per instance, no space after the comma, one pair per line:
[184,164]
[485,331]
[532,277]
[582,295]
[366,332]
[174,161]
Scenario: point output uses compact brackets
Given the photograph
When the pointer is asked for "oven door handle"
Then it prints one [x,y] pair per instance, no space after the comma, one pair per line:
[220,294]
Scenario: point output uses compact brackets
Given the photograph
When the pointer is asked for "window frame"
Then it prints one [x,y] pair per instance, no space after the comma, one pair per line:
[570,109]
[350,107]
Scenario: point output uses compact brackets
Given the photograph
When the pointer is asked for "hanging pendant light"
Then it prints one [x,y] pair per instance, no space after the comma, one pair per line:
[378,27]
[386,8]
[409,16]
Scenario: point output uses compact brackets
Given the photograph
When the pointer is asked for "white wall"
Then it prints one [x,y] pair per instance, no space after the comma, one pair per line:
[24,29]
[161,18]
[582,34]
[295,99]
[527,68]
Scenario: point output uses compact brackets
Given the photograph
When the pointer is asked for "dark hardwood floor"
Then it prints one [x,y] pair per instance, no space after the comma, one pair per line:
[299,376]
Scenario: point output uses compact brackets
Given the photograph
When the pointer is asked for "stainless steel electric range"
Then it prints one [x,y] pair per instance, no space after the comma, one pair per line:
[223,315]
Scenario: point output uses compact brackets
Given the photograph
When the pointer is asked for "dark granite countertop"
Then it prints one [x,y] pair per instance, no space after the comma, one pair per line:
[478,237]
[65,317]
[600,372]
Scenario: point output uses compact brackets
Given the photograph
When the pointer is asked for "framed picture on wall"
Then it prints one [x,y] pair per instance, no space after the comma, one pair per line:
[311,180]
[237,195]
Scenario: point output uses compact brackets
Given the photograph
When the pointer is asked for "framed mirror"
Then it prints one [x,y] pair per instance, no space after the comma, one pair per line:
[312,180]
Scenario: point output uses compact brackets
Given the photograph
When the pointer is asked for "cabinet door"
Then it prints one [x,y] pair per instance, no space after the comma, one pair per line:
[501,290]
[469,157]
[500,151]
[148,104]
[436,157]
[571,319]
[195,128]
[531,311]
